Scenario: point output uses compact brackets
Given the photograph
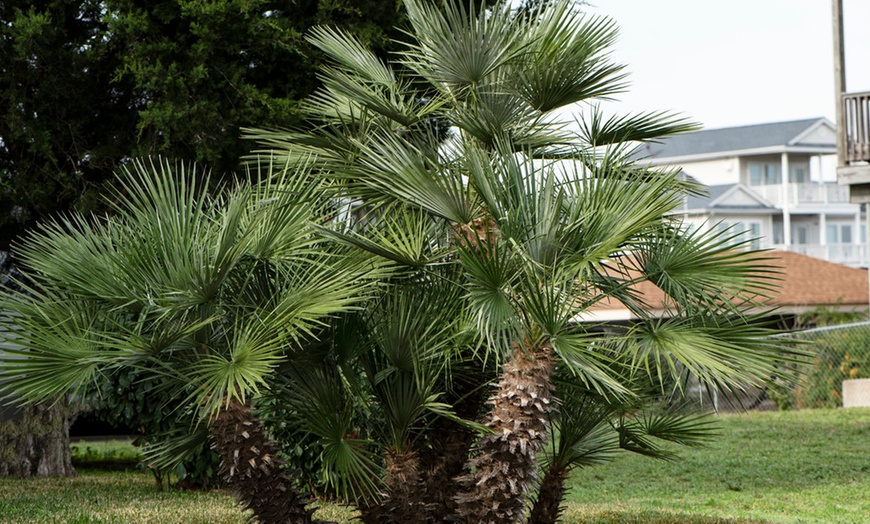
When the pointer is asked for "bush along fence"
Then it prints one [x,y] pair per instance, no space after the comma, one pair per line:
[839,353]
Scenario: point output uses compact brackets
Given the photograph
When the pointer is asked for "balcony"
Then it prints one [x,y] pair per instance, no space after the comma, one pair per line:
[803,194]
[856,127]
[849,254]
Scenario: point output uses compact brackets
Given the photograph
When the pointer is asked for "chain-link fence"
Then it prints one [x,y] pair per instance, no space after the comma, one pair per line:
[838,353]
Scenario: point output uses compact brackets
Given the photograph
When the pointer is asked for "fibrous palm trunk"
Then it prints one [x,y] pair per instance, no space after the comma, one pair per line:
[402,482]
[447,452]
[250,464]
[548,506]
[500,476]
[443,463]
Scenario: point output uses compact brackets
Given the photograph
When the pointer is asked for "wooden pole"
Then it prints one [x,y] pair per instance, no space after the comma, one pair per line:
[839,81]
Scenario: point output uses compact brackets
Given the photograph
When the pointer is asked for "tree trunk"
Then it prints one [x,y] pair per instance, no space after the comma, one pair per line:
[444,463]
[34,441]
[548,507]
[250,464]
[402,504]
[499,478]
[448,450]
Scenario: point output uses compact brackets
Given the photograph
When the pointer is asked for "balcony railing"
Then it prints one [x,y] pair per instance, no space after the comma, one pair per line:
[848,254]
[856,127]
[796,194]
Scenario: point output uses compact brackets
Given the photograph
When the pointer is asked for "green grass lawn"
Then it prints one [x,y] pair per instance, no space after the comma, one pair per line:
[795,467]
[789,467]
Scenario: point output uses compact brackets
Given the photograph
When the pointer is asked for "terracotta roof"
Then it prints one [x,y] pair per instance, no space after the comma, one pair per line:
[805,283]
[810,281]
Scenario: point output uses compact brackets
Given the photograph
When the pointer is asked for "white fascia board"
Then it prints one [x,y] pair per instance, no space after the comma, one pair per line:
[724,212]
[603,315]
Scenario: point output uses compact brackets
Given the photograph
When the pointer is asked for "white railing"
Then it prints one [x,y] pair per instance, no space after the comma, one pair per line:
[826,193]
[848,254]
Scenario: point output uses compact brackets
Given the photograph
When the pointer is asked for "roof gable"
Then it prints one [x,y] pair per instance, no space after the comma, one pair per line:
[727,196]
[822,133]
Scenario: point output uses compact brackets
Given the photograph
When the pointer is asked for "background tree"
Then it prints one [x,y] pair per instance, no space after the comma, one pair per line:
[86,85]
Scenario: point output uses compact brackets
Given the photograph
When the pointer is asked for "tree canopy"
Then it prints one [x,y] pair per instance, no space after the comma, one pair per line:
[86,85]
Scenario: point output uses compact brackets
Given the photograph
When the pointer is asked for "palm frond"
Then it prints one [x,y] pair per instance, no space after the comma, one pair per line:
[399,233]
[50,344]
[565,60]
[598,130]
[727,352]
[457,46]
[706,269]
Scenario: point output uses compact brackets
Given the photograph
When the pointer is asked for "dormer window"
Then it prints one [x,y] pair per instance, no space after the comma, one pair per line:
[763,174]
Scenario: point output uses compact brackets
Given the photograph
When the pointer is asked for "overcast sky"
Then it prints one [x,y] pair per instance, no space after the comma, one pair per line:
[735,62]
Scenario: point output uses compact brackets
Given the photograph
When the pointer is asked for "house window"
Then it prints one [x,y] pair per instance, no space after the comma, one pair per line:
[839,233]
[763,174]
[802,235]
[745,233]
[798,174]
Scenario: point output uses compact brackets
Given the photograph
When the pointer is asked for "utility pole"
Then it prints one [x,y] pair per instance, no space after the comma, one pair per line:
[840,81]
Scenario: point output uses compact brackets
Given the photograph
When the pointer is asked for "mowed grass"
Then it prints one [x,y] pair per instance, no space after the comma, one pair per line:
[785,467]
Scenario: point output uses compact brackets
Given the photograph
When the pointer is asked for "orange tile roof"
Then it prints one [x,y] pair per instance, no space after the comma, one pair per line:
[805,283]
[809,281]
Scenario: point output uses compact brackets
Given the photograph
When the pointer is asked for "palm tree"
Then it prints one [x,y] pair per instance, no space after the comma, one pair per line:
[211,292]
[590,429]
[544,222]
[401,378]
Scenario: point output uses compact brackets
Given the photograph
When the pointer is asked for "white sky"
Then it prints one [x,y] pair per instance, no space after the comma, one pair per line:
[735,62]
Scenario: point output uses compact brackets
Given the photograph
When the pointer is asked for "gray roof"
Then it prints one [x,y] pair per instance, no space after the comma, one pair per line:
[731,139]
[704,201]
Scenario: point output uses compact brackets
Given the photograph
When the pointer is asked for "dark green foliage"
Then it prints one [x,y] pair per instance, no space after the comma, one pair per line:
[133,398]
[87,84]
[65,120]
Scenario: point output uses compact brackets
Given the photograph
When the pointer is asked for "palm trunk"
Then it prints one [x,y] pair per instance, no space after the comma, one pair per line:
[402,483]
[443,464]
[501,475]
[448,450]
[548,507]
[250,464]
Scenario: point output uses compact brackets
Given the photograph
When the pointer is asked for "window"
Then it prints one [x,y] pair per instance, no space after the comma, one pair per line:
[798,174]
[802,235]
[839,233]
[744,234]
[763,174]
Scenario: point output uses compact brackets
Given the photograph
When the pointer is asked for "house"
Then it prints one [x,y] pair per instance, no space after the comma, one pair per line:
[773,182]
